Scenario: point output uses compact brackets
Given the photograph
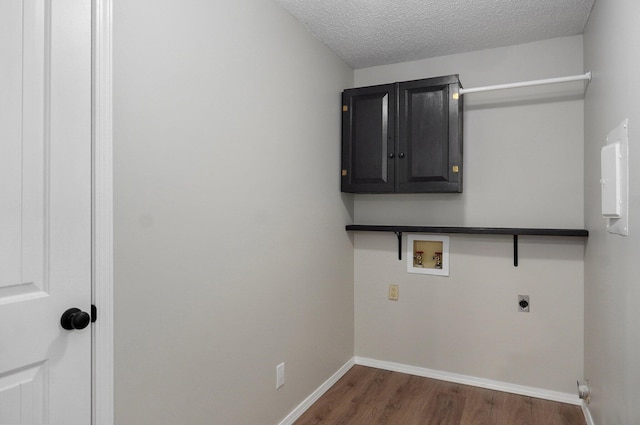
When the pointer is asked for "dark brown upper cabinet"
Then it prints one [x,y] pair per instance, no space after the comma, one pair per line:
[403,138]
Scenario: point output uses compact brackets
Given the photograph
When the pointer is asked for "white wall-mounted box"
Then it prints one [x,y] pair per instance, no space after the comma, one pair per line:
[614,178]
[611,180]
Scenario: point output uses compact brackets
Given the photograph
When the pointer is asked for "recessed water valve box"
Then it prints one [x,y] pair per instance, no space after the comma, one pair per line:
[428,254]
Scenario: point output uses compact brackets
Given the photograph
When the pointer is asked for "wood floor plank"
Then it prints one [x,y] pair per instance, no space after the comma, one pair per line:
[409,402]
[332,404]
[369,396]
[445,408]
[366,410]
[554,413]
[479,407]
[570,415]
[511,409]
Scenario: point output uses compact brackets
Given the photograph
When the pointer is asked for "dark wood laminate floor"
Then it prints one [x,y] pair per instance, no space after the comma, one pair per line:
[368,396]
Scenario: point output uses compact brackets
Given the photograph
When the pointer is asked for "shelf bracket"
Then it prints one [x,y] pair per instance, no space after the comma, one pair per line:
[399,235]
[515,250]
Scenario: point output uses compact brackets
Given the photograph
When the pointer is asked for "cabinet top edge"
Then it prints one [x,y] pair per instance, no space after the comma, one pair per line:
[443,79]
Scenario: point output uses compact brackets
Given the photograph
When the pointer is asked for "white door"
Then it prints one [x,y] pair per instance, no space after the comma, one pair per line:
[45,210]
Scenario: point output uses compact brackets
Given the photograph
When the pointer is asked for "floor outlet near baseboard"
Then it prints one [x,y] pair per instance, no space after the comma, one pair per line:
[280,375]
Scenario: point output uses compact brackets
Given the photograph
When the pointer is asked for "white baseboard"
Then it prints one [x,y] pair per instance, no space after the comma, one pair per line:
[471,380]
[587,414]
[306,404]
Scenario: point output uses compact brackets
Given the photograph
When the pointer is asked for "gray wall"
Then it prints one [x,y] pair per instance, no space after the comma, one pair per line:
[523,156]
[230,249]
[612,269]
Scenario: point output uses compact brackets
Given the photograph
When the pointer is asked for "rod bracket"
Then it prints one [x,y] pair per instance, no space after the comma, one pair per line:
[399,235]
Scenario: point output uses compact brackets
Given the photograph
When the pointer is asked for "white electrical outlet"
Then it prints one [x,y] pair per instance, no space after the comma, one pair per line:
[280,375]
[394,292]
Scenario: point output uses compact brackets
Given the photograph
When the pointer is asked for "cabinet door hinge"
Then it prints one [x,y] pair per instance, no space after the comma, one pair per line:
[94,313]
[345,108]
[455,169]
[344,172]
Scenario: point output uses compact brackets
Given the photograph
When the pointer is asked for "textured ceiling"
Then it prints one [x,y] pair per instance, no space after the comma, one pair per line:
[375,32]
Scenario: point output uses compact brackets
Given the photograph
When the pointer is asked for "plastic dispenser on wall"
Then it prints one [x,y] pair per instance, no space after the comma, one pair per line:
[614,166]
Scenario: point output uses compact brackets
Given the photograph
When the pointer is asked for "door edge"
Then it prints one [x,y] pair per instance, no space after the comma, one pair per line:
[102,397]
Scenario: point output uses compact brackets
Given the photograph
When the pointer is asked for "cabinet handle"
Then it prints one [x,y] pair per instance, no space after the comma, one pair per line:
[391,155]
[401,155]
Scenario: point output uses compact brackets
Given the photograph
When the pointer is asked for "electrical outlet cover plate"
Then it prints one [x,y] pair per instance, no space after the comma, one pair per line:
[394,292]
[523,303]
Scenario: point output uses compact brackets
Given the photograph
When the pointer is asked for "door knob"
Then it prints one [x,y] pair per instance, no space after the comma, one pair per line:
[74,318]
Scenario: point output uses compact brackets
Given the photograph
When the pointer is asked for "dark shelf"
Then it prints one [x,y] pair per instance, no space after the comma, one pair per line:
[471,230]
[514,231]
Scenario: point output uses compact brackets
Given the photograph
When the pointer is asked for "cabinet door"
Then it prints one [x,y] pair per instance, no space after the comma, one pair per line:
[368,120]
[430,136]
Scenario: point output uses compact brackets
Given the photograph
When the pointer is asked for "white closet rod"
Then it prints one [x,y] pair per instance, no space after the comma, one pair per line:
[584,77]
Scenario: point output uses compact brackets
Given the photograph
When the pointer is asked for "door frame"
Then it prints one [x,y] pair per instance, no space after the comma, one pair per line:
[102,374]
